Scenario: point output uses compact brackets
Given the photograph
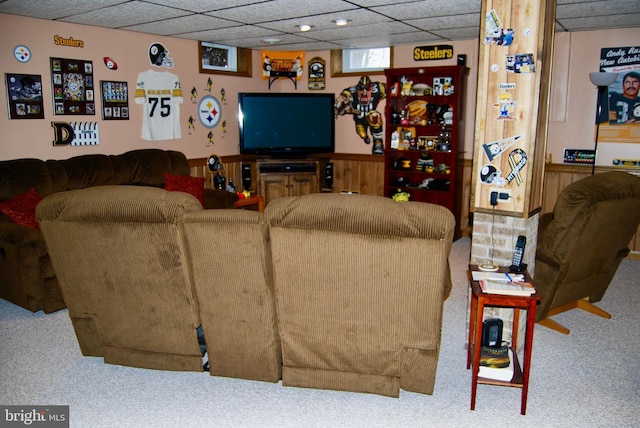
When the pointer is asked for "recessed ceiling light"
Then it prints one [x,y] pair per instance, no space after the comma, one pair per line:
[271,40]
[305,27]
[341,22]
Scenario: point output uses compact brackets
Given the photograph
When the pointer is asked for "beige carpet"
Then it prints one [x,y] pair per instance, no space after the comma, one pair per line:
[590,378]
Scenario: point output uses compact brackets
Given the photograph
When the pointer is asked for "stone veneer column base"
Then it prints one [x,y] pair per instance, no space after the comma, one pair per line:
[492,242]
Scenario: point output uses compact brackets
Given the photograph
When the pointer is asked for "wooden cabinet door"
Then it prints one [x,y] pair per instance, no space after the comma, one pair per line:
[274,186]
[303,184]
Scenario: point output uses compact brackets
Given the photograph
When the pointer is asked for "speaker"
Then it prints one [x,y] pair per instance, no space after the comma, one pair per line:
[328,174]
[246,177]
[492,333]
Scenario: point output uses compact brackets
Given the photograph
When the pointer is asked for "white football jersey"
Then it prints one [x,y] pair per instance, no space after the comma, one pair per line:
[160,94]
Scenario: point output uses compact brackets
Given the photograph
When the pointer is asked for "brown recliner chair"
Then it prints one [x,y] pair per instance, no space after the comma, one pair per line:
[581,244]
[120,258]
[231,263]
[360,283]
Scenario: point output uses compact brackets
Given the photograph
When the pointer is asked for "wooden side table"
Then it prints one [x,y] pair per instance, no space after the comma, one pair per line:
[480,300]
[254,202]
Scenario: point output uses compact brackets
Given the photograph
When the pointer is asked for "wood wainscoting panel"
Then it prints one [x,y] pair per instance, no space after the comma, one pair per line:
[365,174]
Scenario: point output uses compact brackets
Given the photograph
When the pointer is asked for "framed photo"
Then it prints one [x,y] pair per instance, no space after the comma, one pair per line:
[115,100]
[24,96]
[72,81]
[213,57]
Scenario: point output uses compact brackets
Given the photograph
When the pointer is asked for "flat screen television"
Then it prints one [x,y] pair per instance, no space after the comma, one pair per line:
[286,124]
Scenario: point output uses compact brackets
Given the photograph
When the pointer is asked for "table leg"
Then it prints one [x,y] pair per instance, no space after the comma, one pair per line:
[528,344]
[477,344]
[472,323]
[515,326]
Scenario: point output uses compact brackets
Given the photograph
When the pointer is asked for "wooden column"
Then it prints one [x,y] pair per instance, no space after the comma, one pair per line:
[512,105]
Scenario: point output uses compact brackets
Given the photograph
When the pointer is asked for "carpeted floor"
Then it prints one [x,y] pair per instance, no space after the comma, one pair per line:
[590,378]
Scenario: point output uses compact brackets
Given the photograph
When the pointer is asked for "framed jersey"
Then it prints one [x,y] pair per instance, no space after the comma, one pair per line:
[160,94]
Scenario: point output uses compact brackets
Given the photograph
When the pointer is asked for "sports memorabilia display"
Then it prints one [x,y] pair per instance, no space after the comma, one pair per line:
[115,100]
[24,95]
[73,91]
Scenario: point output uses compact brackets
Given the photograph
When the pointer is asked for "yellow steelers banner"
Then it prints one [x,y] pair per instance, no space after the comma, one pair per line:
[282,64]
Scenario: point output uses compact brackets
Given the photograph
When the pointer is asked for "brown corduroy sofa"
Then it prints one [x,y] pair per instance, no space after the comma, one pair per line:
[326,291]
[360,283]
[26,275]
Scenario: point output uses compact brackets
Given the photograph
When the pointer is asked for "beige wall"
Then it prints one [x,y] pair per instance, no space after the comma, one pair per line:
[33,138]
[574,98]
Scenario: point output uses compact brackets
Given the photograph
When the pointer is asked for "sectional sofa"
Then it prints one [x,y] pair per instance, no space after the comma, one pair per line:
[27,277]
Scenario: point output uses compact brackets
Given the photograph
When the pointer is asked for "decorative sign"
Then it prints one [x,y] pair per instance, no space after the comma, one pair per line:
[24,96]
[634,163]
[115,100]
[282,64]
[22,53]
[579,156]
[71,42]
[76,133]
[209,111]
[72,86]
[431,53]
[316,73]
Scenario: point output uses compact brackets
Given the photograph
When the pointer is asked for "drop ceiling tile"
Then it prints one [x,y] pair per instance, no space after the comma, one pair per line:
[459,33]
[597,9]
[282,9]
[182,25]
[201,6]
[125,15]
[604,22]
[53,9]
[430,8]
[446,22]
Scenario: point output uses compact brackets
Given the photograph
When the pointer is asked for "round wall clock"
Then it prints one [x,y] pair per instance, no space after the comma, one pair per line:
[22,53]
[209,111]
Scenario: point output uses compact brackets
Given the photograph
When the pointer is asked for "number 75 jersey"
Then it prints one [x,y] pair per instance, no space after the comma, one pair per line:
[160,95]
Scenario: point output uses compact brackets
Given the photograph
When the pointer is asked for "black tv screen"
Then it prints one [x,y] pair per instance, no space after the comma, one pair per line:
[286,124]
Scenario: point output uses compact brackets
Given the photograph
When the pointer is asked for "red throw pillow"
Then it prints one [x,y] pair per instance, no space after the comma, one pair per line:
[185,183]
[21,208]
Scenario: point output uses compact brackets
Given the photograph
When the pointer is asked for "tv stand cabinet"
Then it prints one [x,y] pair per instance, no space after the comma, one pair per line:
[287,177]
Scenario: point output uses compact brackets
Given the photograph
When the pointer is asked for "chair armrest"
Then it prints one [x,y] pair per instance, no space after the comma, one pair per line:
[545,220]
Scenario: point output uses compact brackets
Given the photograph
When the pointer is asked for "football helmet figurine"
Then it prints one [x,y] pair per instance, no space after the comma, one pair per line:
[158,55]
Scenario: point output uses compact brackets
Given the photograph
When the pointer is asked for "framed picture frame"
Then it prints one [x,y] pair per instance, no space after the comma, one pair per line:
[214,58]
[73,91]
[115,100]
[24,96]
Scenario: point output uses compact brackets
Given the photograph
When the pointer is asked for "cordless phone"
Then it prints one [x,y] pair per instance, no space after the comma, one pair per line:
[516,264]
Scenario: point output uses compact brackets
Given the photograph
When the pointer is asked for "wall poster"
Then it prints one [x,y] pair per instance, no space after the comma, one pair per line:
[620,117]
[24,96]
[73,91]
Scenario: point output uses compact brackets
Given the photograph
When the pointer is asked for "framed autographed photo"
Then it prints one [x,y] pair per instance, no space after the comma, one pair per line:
[115,100]
[24,96]
[220,59]
[73,91]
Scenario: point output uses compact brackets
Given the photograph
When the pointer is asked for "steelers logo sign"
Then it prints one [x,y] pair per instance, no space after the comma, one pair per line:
[209,111]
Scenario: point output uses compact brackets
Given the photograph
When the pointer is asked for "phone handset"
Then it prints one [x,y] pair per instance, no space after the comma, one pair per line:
[516,264]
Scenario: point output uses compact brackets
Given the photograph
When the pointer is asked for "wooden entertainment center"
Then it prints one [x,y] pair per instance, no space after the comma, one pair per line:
[287,177]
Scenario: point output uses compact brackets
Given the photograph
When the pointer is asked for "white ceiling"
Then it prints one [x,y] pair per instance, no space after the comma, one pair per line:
[372,23]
